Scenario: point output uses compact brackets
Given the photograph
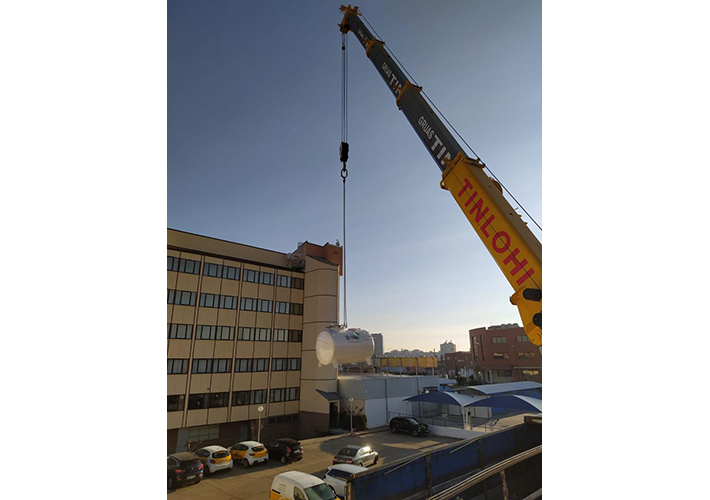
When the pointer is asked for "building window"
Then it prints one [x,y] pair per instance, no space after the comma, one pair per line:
[278,364]
[201,366]
[280,335]
[258,397]
[220,271]
[177,366]
[218,301]
[531,373]
[248,304]
[295,335]
[225,333]
[283,281]
[265,306]
[499,340]
[189,266]
[262,334]
[292,394]
[180,297]
[205,332]
[197,402]
[214,270]
[251,276]
[282,307]
[504,373]
[173,263]
[240,398]
[294,364]
[176,403]
[522,338]
[526,355]
[297,283]
[218,400]
[261,365]
[297,309]
[266,278]
[245,333]
[276,396]
[228,302]
[282,419]
[500,355]
[222,366]
[176,331]
[242,365]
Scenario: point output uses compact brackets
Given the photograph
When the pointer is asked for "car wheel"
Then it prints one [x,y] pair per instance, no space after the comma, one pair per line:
[245,463]
[198,480]
[393,429]
[170,483]
[283,459]
[415,433]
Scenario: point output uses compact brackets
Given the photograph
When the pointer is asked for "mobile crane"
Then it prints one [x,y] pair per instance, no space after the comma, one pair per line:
[507,237]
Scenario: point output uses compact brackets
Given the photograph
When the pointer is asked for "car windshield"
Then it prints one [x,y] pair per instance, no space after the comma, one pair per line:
[258,448]
[320,492]
[220,454]
[348,452]
[413,421]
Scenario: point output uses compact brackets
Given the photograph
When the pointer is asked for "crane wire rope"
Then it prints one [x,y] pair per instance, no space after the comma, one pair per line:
[411,78]
[344,151]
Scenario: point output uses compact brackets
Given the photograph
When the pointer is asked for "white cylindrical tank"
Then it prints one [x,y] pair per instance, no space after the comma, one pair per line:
[337,345]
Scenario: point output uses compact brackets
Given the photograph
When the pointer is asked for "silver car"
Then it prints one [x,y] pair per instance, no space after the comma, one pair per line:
[357,455]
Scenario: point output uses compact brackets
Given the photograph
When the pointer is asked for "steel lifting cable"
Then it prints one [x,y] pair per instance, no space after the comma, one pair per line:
[411,78]
[344,151]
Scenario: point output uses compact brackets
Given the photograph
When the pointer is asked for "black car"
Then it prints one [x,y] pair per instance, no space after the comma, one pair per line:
[286,450]
[410,425]
[184,468]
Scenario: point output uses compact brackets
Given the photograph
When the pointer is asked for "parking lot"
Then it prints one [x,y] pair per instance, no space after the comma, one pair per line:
[255,482]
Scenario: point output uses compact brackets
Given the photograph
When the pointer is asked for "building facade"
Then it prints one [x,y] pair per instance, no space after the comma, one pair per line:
[504,353]
[447,347]
[379,346]
[458,364]
[242,323]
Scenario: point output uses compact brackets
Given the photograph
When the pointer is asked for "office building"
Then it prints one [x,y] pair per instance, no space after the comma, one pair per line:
[504,353]
[447,347]
[379,346]
[242,323]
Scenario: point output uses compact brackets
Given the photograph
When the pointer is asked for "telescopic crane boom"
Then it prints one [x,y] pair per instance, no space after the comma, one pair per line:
[507,237]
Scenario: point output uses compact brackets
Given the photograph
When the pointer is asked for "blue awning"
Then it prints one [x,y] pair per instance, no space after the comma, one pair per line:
[330,396]
[503,388]
[511,402]
[444,398]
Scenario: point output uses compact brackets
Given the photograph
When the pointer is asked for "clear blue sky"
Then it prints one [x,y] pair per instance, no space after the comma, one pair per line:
[254,130]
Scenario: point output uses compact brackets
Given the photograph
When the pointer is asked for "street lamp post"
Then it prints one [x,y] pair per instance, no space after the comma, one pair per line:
[258,432]
[352,431]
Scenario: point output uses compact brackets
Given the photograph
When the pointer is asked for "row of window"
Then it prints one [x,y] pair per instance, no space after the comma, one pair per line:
[241,365]
[500,355]
[239,398]
[521,355]
[213,332]
[233,273]
[217,301]
[505,373]
[282,419]
[183,265]
[499,340]
[522,338]
[531,373]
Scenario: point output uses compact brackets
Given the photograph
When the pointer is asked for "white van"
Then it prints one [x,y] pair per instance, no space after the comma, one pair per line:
[296,485]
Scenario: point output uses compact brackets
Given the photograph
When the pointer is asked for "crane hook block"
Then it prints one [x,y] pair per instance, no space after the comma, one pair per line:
[344,151]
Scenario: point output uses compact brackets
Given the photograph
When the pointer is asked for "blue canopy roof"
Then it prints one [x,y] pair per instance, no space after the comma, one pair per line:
[507,387]
[444,398]
[511,402]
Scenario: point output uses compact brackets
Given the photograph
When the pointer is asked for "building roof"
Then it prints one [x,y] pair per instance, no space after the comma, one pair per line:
[511,402]
[445,398]
[489,389]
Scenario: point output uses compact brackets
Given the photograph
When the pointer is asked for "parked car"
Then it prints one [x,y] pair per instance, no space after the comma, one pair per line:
[410,425]
[356,454]
[249,453]
[215,458]
[294,485]
[286,450]
[336,475]
[184,468]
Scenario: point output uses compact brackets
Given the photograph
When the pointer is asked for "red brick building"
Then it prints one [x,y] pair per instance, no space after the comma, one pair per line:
[458,364]
[503,353]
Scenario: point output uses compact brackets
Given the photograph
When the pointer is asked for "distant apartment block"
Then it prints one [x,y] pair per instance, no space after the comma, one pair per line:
[379,347]
[504,353]
[447,347]
[241,328]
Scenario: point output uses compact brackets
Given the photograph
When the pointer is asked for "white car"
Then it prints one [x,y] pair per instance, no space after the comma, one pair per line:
[249,453]
[215,458]
[336,475]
